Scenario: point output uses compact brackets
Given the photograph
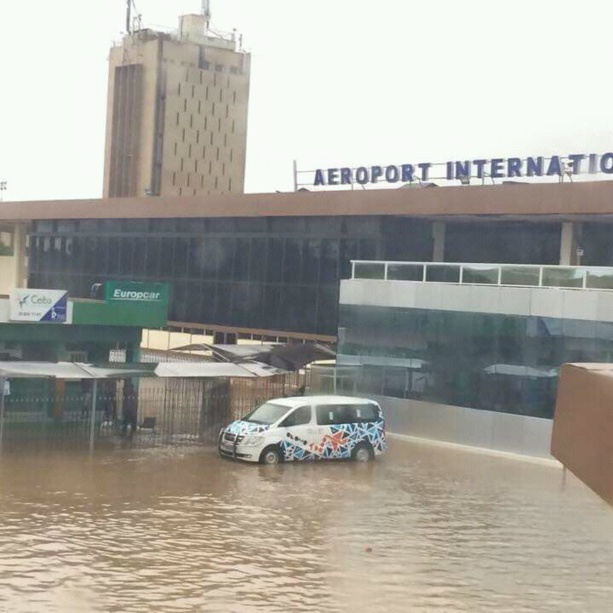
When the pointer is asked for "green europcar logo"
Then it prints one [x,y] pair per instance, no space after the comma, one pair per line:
[137,292]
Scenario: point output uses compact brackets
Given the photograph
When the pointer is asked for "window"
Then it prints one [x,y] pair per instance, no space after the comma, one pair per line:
[218,67]
[299,417]
[328,415]
[363,413]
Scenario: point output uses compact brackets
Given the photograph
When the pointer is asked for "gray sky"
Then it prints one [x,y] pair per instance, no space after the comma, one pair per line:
[334,83]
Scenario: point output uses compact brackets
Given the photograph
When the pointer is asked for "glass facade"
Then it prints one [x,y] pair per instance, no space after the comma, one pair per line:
[273,273]
[277,273]
[494,362]
[503,242]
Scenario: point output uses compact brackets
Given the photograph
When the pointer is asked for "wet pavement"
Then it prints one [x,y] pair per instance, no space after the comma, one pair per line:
[426,528]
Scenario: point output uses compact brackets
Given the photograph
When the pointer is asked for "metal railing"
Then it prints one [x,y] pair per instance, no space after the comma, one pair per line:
[518,275]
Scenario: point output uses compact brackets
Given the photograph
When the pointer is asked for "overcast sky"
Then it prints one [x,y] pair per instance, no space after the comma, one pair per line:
[334,83]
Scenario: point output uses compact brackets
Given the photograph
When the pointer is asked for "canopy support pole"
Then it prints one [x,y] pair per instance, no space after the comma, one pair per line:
[92,429]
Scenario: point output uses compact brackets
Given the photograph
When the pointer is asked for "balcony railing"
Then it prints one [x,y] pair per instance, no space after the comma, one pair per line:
[517,275]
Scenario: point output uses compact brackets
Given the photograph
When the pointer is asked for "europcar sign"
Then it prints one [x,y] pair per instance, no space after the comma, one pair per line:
[48,305]
[495,168]
[132,291]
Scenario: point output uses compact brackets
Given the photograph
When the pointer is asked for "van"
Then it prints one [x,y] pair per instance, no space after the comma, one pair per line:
[307,428]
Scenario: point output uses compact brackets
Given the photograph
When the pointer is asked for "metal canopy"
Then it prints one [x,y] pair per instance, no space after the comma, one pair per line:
[65,370]
[76,371]
[287,356]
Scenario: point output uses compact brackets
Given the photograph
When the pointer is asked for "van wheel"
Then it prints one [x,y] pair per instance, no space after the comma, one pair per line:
[270,456]
[362,453]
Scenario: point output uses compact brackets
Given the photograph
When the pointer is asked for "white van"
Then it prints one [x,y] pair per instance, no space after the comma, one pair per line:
[307,428]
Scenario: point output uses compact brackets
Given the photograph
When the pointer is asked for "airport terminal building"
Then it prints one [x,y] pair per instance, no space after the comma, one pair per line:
[274,261]
[264,264]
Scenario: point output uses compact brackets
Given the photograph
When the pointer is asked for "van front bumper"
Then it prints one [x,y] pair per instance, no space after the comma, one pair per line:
[239,452]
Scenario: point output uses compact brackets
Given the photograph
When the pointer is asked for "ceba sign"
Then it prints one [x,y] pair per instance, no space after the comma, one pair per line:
[496,168]
[46,305]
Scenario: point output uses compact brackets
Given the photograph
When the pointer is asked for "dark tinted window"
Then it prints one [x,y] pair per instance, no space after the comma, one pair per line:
[299,417]
[363,413]
[330,414]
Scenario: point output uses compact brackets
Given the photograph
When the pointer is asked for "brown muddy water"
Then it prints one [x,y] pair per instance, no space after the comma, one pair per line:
[427,528]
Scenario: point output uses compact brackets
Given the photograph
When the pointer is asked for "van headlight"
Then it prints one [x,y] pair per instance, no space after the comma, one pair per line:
[252,440]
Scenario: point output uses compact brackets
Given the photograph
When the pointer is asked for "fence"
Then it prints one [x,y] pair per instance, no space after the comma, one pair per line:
[57,414]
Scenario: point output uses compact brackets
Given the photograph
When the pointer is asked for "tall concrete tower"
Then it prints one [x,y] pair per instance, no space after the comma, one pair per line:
[177,112]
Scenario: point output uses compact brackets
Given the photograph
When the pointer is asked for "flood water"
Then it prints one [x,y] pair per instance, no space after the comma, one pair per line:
[427,528]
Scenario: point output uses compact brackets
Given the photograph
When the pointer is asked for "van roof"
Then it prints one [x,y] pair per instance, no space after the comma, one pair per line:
[296,401]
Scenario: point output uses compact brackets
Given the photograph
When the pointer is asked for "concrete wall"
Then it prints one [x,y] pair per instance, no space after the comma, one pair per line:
[590,305]
[465,426]
[8,278]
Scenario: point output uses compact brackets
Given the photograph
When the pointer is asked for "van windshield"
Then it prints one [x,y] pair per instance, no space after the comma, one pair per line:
[268,414]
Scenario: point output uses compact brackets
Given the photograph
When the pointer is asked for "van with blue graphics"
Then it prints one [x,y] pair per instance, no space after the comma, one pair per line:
[307,428]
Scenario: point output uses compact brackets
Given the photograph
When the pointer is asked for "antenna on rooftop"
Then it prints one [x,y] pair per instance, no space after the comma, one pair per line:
[206,11]
[137,21]
[129,16]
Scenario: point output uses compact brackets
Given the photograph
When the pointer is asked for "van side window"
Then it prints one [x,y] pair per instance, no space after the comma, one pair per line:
[331,414]
[299,417]
[364,413]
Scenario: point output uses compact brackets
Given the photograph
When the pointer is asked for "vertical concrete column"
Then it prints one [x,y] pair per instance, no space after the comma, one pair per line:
[438,241]
[569,244]
[20,260]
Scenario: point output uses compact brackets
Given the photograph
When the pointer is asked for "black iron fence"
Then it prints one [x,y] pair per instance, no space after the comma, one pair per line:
[152,412]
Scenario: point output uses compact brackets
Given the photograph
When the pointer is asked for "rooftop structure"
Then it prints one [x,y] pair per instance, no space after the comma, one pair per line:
[177,112]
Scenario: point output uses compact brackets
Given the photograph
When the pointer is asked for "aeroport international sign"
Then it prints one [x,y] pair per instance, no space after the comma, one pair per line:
[464,170]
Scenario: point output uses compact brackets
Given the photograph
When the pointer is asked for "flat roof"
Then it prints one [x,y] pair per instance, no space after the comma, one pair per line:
[529,199]
[296,401]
